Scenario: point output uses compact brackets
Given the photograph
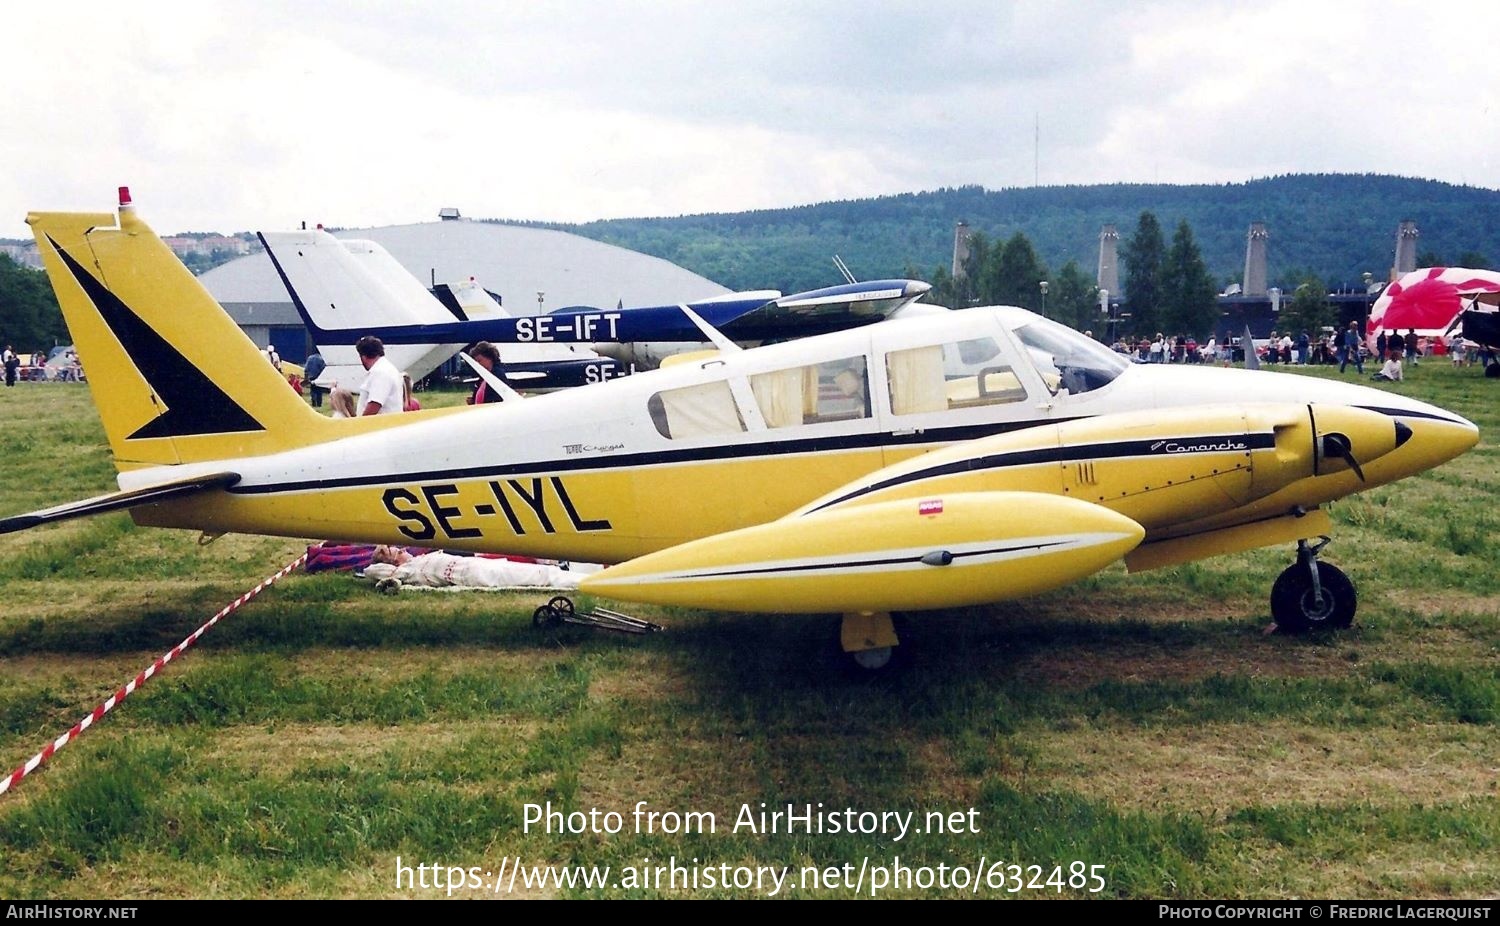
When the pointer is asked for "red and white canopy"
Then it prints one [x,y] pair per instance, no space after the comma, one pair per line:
[1428,300]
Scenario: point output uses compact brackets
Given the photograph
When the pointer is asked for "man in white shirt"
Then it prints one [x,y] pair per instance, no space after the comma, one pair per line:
[382,392]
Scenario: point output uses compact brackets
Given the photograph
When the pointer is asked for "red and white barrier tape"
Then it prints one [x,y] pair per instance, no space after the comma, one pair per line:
[139,680]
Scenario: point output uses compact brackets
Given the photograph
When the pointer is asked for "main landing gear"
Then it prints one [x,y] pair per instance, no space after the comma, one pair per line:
[1312,595]
[869,640]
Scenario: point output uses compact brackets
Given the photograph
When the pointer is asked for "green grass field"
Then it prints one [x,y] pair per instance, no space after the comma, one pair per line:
[1144,724]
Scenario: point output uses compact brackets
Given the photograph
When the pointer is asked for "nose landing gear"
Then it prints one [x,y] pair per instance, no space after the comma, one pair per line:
[1312,595]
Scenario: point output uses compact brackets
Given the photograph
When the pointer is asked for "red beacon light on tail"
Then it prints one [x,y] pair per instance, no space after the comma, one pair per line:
[125,200]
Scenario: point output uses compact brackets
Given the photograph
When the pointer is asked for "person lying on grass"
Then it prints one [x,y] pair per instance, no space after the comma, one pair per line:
[393,567]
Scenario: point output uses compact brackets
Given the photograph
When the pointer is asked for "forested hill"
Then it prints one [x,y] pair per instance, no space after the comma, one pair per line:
[1335,225]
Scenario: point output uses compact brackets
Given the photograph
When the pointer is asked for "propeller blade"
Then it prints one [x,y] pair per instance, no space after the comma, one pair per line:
[1339,447]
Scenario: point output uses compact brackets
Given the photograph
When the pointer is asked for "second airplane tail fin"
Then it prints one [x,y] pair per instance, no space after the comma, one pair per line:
[344,285]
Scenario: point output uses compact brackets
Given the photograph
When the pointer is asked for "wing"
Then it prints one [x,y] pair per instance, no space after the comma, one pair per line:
[822,310]
[115,501]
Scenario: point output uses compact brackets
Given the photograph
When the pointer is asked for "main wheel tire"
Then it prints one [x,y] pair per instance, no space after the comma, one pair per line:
[1297,610]
[873,660]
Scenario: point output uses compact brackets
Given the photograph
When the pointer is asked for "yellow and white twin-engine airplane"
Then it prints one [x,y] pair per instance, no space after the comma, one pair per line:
[944,460]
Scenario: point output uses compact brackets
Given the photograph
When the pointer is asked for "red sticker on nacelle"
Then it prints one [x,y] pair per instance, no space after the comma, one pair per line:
[931,506]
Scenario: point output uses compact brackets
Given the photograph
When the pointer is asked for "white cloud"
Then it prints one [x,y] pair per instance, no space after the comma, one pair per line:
[231,117]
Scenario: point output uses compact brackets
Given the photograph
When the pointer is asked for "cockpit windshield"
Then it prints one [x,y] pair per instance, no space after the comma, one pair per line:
[1066,359]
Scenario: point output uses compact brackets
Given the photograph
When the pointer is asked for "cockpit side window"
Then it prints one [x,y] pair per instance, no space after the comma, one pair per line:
[942,377]
[1066,359]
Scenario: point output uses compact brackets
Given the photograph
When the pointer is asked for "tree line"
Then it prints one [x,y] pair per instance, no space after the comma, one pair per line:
[1168,289]
[29,317]
[1338,226]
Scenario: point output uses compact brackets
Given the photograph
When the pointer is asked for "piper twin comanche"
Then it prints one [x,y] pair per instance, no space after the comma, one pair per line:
[916,464]
[345,289]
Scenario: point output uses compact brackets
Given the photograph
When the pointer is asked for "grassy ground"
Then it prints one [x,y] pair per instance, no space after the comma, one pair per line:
[1144,724]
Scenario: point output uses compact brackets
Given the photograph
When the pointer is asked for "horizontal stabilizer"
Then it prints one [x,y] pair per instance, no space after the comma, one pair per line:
[115,501]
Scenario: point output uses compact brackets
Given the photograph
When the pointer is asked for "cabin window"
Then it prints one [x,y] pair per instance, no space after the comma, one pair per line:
[705,410]
[835,390]
[962,374]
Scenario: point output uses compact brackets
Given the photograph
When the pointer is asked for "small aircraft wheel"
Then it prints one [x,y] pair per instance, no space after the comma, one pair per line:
[563,607]
[873,660]
[544,616]
[1298,610]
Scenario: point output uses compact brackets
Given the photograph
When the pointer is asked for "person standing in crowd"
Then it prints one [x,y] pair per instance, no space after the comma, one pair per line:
[12,365]
[1396,343]
[312,369]
[1411,345]
[1456,350]
[1382,344]
[1303,344]
[341,403]
[1350,350]
[408,401]
[381,392]
[487,356]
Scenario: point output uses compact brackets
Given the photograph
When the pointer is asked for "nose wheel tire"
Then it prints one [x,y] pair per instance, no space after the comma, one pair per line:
[1298,607]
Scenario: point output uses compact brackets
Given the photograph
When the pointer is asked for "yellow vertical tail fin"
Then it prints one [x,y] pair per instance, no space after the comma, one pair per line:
[174,378]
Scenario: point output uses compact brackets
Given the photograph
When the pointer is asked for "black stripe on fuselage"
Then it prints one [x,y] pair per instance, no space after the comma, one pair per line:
[660,458]
[864,563]
[1158,447]
[1093,451]
[951,435]
[1407,413]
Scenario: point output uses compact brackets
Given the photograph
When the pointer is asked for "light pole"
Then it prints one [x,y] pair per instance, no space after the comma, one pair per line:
[1107,309]
[1043,285]
[1369,302]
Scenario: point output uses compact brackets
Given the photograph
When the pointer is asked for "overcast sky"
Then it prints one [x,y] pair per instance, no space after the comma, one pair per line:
[246,116]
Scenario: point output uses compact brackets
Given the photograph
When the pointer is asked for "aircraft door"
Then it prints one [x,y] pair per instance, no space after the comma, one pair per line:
[964,386]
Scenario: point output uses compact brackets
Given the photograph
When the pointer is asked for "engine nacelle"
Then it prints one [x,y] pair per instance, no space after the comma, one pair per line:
[940,551]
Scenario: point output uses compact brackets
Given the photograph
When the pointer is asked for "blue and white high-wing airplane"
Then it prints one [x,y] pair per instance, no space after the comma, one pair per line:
[345,289]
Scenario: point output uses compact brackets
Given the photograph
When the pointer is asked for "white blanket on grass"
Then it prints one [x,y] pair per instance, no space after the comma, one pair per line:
[444,570]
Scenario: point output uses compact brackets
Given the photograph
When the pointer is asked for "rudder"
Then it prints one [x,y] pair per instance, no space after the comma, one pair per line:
[174,378]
